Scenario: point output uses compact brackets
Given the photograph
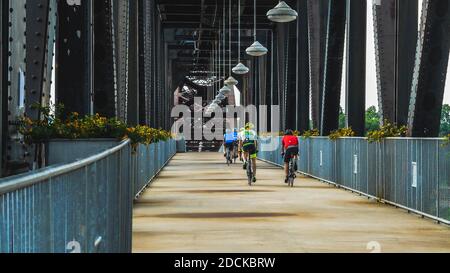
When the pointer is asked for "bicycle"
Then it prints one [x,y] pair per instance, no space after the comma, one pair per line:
[228,156]
[249,172]
[292,175]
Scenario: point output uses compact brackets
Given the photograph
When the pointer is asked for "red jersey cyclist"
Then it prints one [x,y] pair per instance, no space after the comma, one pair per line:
[289,148]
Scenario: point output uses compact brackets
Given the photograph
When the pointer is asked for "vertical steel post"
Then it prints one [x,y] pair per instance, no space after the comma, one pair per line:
[333,66]
[430,69]
[355,95]
[303,79]
[4,21]
[74,71]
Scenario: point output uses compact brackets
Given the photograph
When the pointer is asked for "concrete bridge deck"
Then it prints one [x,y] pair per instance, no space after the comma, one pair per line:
[198,204]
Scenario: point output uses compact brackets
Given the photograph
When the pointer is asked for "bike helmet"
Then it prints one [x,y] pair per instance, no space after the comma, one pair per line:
[289,132]
[249,126]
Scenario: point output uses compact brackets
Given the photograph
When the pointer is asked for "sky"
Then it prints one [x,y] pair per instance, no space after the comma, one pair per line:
[371,83]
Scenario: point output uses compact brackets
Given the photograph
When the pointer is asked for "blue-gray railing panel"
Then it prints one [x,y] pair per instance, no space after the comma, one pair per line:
[383,170]
[85,202]
[444,183]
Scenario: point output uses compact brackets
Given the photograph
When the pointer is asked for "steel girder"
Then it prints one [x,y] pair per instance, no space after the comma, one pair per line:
[430,69]
[333,66]
[121,39]
[356,65]
[36,53]
[74,56]
[104,80]
[303,80]
[133,64]
[317,14]
[17,153]
[395,24]
[4,48]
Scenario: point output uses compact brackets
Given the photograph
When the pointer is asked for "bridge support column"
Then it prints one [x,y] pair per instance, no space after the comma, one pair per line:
[4,48]
[303,83]
[395,23]
[74,56]
[333,66]
[317,13]
[356,65]
[430,70]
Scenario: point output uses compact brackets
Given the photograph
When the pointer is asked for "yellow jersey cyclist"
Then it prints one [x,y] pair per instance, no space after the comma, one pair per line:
[248,144]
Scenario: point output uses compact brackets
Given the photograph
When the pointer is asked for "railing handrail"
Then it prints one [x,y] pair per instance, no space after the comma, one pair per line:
[14,183]
[365,138]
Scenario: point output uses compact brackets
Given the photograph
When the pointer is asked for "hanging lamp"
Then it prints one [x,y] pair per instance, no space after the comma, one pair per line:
[240,68]
[256,49]
[282,13]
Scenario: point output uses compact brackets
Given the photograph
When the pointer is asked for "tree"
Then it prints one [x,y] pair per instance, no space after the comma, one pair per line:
[445,120]
[342,119]
[372,119]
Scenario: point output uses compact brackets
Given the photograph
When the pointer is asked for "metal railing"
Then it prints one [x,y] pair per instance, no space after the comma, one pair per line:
[85,206]
[411,173]
[148,161]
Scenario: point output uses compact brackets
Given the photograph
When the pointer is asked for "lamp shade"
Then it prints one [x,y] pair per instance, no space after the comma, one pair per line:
[240,69]
[282,13]
[225,90]
[231,81]
[256,49]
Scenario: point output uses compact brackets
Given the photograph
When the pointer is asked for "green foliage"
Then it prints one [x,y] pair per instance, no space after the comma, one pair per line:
[342,119]
[52,126]
[372,119]
[445,121]
[388,129]
[343,132]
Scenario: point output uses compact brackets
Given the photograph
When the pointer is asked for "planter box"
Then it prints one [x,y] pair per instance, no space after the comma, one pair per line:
[60,151]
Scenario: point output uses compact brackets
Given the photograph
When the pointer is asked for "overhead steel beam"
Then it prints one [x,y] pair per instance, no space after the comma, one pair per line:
[430,69]
[355,95]
[333,66]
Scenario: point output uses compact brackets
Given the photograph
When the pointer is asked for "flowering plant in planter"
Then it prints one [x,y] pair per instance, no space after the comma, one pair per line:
[53,126]
[344,132]
[388,129]
[311,133]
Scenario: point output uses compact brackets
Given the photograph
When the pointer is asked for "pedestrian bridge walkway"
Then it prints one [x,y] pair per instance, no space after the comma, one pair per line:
[198,204]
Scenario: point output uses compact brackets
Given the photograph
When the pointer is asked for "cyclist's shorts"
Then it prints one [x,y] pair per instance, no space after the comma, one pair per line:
[251,149]
[290,152]
[229,145]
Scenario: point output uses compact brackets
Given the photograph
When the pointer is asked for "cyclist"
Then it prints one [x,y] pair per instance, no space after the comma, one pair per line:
[248,143]
[229,140]
[289,148]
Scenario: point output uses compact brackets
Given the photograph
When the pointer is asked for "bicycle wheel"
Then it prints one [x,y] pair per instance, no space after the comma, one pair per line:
[250,172]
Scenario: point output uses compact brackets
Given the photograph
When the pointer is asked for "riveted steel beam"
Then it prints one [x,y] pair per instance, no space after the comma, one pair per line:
[4,48]
[317,14]
[430,69]
[395,24]
[36,52]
